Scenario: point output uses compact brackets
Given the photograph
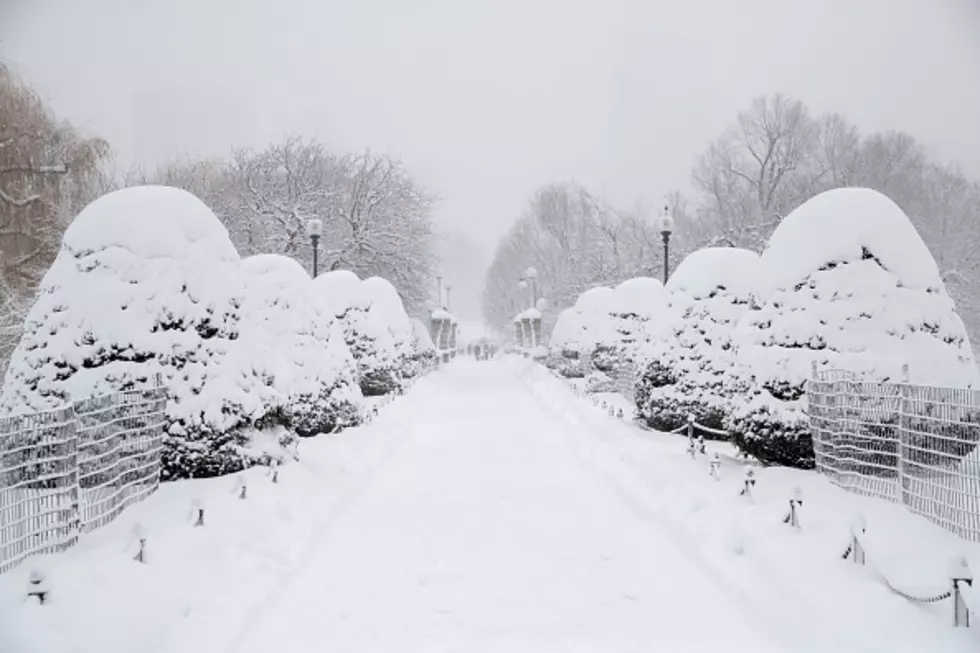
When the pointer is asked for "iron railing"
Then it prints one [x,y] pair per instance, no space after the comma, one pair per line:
[70,470]
[910,444]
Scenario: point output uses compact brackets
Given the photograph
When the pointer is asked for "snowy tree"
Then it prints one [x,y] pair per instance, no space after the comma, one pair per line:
[48,172]
[299,349]
[146,282]
[845,282]
[687,367]
[366,335]
[638,310]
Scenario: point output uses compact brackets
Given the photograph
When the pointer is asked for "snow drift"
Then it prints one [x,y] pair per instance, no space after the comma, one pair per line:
[146,282]
[844,282]
[301,354]
[365,331]
[687,367]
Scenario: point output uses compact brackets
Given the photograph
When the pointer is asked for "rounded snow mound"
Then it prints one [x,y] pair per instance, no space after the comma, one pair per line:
[386,302]
[713,269]
[846,225]
[643,296]
[596,300]
[283,269]
[342,290]
[421,336]
[152,222]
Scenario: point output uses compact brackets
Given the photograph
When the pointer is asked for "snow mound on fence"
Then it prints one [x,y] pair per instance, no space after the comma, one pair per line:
[146,282]
[845,282]
[308,368]
[365,332]
[687,367]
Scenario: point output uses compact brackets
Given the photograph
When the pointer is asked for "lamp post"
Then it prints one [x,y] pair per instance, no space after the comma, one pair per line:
[449,290]
[315,228]
[666,228]
[531,274]
[522,284]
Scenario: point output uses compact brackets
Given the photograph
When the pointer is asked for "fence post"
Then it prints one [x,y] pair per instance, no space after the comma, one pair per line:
[857,551]
[690,434]
[960,574]
[37,586]
[904,425]
[716,467]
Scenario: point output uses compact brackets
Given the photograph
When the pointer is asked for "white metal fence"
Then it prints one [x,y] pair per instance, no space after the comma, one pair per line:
[915,445]
[67,471]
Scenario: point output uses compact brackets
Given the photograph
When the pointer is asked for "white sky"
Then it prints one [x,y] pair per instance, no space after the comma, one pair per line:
[487,99]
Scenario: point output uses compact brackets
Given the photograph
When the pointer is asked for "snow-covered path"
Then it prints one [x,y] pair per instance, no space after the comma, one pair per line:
[484,532]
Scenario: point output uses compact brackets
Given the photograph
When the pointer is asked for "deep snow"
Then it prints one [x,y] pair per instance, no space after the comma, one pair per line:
[490,509]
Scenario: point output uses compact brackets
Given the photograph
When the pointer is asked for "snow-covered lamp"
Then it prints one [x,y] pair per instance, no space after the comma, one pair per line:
[541,304]
[314,227]
[531,273]
[666,228]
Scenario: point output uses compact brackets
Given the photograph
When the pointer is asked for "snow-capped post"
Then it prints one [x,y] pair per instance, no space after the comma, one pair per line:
[242,488]
[702,447]
[140,534]
[748,484]
[197,511]
[856,550]
[795,503]
[960,574]
[315,228]
[666,228]
[274,470]
[690,434]
[37,586]
[716,467]
[904,427]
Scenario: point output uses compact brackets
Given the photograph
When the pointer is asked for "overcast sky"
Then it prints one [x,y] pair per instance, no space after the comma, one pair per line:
[487,99]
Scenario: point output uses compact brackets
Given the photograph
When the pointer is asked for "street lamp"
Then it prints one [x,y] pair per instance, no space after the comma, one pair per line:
[315,228]
[666,228]
[532,275]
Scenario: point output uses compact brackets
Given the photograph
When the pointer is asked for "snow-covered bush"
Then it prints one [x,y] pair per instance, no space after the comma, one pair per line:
[580,329]
[146,282]
[845,282]
[366,335]
[638,310]
[386,308]
[302,356]
[423,349]
[687,367]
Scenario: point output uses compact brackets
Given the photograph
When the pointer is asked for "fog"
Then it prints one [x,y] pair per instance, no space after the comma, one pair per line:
[485,100]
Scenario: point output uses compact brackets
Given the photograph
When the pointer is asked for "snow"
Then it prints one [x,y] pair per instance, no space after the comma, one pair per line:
[387,308]
[422,337]
[687,366]
[366,331]
[448,524]
[151,222]
[835,226]
[146,282]
[714,269]
[310,370]
[641,296]
[867,299]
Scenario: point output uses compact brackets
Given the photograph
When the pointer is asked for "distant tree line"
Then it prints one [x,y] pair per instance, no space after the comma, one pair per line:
[772,158]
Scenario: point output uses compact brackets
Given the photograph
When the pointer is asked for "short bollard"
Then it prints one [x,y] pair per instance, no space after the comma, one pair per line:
[37,586]
[716,467]
[274,471]
[140,534]
[795,503]
[242,487]
[690,433]
[749,484]
[198,511]
[702,447]
[961,575]
[619,413]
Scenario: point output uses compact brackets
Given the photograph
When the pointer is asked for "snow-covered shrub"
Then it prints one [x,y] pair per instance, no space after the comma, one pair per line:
[845,282]
[366,335]
[687,367]
[423,349]
[637,310]
[304,360]
[581,329]
[146,282]
[387,309]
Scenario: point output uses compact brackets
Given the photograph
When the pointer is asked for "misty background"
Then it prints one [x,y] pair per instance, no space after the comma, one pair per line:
[486,101]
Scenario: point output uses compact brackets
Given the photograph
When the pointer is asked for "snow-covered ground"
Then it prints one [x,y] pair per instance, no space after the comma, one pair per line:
[490,509]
